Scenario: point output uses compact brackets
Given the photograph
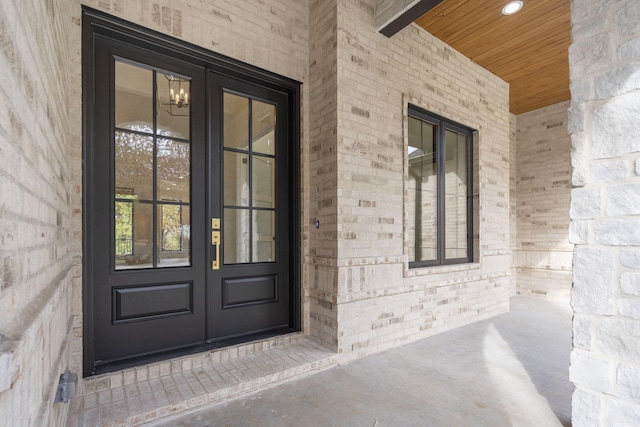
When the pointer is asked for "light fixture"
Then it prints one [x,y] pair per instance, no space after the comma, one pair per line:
[178,95]
[512,7]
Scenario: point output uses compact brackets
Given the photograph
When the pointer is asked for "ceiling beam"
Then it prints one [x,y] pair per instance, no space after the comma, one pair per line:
[393,15]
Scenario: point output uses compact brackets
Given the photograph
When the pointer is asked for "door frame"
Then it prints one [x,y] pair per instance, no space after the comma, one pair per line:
[96,23]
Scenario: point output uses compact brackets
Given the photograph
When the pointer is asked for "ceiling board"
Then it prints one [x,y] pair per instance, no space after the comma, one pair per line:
[529,50]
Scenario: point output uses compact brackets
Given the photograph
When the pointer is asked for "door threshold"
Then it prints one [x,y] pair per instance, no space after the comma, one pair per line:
[185,351]
[143,394]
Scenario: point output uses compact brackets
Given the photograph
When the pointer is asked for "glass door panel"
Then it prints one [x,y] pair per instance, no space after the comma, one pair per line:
[236,121]
[249,171]
[152,171]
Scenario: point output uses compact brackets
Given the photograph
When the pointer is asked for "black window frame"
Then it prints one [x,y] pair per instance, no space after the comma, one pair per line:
[442,124]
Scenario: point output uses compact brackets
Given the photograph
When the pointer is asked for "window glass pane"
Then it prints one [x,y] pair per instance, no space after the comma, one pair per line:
[134,165]
[174,170]
[140,228]
[174,99]
[263,181]
[174,235]
[236,179]
[236,236]
[236,121]
[134,97]
[415,138]
[264,236]
[455,195]
[423,193]
[263,127]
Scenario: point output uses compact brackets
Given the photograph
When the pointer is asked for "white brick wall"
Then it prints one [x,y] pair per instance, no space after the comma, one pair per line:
[380,302]
[513,218]
[320,190]
[542,253]
[605,204]
[36,242]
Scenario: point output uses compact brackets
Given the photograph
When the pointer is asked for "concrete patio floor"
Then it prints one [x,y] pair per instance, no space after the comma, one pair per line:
[511,370]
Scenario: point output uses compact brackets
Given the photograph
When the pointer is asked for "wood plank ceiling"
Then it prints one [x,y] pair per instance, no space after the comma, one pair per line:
[529,50]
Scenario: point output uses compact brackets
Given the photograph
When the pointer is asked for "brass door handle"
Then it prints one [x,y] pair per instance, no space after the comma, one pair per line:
[215,241]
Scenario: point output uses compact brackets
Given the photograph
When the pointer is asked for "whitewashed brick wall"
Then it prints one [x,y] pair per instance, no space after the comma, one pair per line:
[605,210]
[321,189]
[380,303]
[542,253]
[513,217]
[36,189]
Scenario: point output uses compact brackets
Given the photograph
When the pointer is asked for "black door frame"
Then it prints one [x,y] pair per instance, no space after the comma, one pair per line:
[96,23]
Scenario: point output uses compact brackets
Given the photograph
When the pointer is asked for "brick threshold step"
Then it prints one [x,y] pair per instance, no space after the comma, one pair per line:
[136,396]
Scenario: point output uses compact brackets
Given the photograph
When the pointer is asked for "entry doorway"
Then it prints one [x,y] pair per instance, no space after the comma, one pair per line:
[190,202]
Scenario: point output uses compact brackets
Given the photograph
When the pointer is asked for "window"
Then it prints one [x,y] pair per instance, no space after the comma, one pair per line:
[440,190]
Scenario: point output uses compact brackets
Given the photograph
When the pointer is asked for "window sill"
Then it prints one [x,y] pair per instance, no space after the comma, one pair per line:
[440,269]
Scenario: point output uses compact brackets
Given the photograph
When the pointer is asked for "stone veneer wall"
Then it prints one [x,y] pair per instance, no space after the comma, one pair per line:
[542,255]
[605,212]
[379,302]
[36,214]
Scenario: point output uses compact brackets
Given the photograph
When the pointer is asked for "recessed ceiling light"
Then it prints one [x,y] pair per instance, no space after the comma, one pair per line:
[512,7]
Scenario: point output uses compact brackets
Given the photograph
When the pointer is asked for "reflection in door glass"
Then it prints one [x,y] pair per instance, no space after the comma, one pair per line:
[152,170]
[174,235]
[173,170]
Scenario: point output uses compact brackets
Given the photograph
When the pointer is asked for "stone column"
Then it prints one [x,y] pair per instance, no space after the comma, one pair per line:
[605,211]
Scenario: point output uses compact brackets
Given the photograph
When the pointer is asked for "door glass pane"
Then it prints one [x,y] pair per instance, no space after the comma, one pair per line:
[236,121]
[423,206]
[263,127]
[236,179]
[124,225]
[134,98]
[174,166]
[136,222]
[264,175]
[264,236]
[134,165]
[236,236]
[175,235]
[456,195]
[152,169]
[174,101]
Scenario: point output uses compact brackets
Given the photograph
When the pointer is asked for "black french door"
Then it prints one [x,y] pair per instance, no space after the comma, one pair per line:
[188,201]
[250,219]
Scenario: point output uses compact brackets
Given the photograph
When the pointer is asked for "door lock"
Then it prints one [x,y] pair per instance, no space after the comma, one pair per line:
[215,241]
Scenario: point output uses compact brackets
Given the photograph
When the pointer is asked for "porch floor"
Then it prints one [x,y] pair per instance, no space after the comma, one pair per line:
[511,370]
